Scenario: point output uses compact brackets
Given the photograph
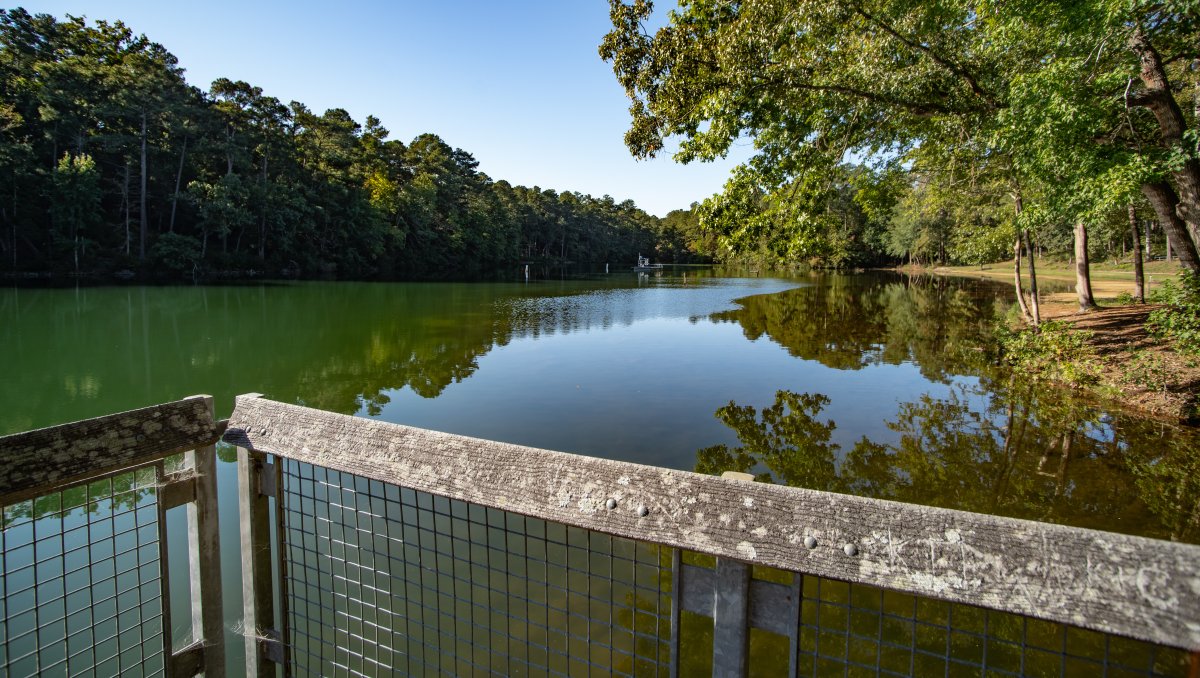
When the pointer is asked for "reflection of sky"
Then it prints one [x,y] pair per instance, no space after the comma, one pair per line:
[603,309]
[646,391]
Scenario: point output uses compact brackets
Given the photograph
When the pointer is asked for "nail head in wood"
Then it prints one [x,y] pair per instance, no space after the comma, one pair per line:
[642,511]
[810,542]
[611,504]
[977,559]
[850,550]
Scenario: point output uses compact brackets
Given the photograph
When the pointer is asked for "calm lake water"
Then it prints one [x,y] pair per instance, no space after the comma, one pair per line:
[875,384]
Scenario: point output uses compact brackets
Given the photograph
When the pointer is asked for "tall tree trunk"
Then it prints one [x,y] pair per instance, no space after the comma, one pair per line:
[13,242]
[1034,304]
[125,202]
[14,224]
[1139,276]
[178,181]
[1017,279]
[1083,274]
[262,232]
[1018,207]
[1163,199]
[1171,125]
[142,197]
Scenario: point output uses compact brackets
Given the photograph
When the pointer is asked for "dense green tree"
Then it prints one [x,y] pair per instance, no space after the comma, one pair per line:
[75,205]
[1069,109]
[182,181]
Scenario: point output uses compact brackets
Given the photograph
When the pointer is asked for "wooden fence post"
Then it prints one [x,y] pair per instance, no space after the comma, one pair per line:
[257,587]
[204,555]
[731,610]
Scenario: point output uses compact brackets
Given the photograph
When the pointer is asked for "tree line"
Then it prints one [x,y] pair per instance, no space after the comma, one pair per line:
[947,130]
[110,161]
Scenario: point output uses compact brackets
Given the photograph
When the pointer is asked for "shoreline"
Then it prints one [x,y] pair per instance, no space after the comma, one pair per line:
[1136,371]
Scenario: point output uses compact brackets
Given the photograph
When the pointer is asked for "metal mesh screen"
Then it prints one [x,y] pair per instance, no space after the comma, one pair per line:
[81,581]
[853,629]
[383,579]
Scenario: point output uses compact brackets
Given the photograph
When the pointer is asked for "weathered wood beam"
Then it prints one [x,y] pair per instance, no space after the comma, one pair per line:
[1130,586]
[731,609]
[258,606]
[731,618]
[204,560]
[35,461]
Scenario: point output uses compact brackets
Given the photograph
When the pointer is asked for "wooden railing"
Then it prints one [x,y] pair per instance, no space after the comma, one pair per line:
[1115,584]
[51,460]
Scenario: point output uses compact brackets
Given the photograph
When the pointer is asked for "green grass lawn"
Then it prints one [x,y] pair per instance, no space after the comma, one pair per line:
[1057,269]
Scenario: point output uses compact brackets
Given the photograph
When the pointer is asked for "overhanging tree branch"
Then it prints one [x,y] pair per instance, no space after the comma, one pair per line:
[933,55]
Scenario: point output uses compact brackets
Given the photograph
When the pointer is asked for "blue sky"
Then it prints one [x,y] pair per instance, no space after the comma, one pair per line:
[518,84]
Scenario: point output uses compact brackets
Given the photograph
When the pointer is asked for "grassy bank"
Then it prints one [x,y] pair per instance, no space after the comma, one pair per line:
[1109,279]
[1110,351]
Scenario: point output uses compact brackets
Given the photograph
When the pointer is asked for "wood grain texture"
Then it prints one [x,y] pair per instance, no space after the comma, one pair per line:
[204,561]
[1131,586]
[35,461]
[258,607]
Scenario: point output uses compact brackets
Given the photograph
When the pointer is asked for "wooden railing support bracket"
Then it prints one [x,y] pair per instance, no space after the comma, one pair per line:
[187,662]
[177,490]
[267,487]
[271,647]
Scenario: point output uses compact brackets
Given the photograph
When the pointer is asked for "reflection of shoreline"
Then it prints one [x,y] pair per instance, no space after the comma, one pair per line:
[850,322]
[1024,456]
[342,347]
[532,317]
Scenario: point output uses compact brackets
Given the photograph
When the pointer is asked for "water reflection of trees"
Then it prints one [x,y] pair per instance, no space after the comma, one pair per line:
[336,347]
[342,347]
[1027,454]
[117,497]
[850,322]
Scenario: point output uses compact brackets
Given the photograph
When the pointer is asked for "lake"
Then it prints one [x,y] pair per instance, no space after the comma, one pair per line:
[875,384]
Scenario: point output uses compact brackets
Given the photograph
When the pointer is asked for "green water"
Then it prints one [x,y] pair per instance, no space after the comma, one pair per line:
[877,385]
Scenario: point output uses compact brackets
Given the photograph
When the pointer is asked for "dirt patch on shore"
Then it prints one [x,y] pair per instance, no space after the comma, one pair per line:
[1147,373]
[1136,369]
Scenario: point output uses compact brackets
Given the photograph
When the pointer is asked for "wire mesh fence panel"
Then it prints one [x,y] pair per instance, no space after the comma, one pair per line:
[81,587]
[845,629]
[857,630]
[383,579]
[852,629]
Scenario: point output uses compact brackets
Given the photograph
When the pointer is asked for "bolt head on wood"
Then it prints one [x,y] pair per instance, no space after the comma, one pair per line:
[610,504]
[810,542]
[850,550]
[642,511]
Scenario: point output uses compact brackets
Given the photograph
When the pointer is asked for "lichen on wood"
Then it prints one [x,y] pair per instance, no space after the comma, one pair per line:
[35,461]
[1131,586]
